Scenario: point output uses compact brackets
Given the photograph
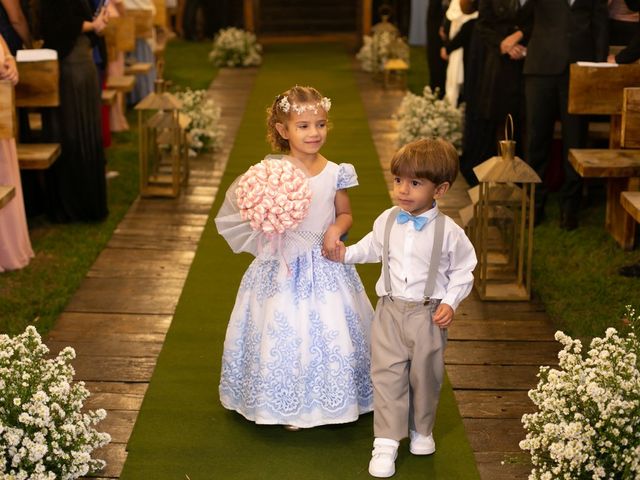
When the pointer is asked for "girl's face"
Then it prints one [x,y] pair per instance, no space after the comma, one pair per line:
[416,195]
[306,132]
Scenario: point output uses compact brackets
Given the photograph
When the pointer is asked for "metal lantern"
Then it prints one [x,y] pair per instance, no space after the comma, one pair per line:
[501,224]
[164,147]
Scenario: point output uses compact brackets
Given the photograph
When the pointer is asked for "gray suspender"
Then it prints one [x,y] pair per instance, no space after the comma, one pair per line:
[436,252]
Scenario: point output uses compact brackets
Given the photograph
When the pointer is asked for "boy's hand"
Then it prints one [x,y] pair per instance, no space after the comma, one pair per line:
[336,254]
[443,316]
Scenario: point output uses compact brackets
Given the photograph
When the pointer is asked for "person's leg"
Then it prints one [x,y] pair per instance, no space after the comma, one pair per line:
[574,135]
[540,105]
[389,372]
[427,368]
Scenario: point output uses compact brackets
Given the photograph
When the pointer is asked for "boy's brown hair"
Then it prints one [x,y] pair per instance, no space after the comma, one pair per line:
[432,158]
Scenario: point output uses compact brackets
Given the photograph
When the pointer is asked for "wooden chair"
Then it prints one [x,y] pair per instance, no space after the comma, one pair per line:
[7,192]
[599,90]
[39,86]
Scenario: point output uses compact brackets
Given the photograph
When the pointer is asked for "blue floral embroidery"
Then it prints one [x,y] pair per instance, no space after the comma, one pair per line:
[280,385]
[347,176]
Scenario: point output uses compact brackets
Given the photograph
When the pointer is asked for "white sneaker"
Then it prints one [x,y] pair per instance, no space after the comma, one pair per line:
[383,457]
[421,444]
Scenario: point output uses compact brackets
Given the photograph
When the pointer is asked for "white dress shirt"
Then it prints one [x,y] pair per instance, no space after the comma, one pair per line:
[410,255]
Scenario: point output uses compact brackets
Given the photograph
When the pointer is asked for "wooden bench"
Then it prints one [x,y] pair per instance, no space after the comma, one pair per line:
[109,96]
[631,203]
[600,90]
[38,88]
[138,68]
[618,166]
[37,156]
[6,194]
[122,84]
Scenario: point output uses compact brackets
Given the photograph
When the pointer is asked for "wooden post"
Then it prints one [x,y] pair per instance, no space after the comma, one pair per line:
[249,16]
[367,16]
[7,110]
[39,84]
[630,128]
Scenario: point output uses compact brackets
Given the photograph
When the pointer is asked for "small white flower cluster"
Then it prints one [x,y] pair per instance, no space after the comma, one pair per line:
[587,423]
[286,106]
[43,432]
[428,116]
[378,48]
[206,132]
[233,47]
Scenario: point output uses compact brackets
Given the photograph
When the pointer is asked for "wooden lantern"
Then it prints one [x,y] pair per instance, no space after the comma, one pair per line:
[163,145]
[384,26]
[501,226]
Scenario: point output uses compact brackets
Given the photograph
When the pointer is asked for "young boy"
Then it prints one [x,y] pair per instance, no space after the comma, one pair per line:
[427,265]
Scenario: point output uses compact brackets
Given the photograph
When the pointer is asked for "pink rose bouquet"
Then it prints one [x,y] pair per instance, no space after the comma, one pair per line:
[273,195]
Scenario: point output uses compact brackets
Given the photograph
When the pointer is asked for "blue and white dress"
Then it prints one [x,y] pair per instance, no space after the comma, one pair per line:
[297,348]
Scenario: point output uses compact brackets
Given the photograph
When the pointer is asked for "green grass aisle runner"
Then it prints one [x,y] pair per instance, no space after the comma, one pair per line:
[182,428]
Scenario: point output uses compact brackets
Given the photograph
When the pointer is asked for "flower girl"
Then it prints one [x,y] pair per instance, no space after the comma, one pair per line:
[296,351]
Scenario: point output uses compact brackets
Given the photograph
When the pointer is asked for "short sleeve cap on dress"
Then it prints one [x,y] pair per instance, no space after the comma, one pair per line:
[347,176]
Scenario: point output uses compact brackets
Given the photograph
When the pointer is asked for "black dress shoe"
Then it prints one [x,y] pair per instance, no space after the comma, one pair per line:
[630,270]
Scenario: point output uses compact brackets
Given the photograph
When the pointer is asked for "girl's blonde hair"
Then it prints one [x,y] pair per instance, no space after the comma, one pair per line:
[276,114]
[432,158]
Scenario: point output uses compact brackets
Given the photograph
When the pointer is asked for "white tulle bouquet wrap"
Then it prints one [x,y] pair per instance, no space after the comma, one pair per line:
[268,201]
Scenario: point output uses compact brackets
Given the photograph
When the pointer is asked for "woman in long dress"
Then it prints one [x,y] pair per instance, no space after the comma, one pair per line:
[76,182]
[15,246]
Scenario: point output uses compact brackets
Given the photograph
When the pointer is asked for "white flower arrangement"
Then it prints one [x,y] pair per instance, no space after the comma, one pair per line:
[587,424]
[206,132]
[233,47]
[380,47]
[428,116]
[43,432]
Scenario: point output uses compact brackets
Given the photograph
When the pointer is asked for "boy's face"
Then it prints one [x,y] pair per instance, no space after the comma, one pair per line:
[416,195]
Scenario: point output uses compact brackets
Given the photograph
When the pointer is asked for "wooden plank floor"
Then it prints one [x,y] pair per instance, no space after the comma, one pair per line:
[118,318]
[494,348]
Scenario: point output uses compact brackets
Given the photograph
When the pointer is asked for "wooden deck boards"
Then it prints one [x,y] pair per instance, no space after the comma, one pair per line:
[131,292]
[118,318]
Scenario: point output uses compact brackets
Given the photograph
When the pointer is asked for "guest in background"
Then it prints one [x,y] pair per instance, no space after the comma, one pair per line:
[453,52]
[564,31]
[623,22]
[504,32]
[435,41]
[101,60]
[115,68]
[477,141]
[15,246]
[76,181]
[631,53]
[14,26]
[143,53]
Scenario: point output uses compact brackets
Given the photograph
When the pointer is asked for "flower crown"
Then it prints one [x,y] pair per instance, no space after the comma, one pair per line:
[285,106]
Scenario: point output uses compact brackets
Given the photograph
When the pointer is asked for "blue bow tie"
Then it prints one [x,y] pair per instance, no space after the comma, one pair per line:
[418,222]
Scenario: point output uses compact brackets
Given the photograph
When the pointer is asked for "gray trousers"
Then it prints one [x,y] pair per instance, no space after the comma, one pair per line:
[407,367]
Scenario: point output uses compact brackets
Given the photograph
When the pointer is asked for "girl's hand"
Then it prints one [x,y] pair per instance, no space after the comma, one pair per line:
[517,52]
[443,54]
[443,316]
